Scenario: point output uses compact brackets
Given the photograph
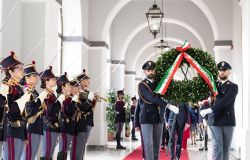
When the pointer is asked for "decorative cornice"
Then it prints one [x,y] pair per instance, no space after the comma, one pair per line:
[223,43]
[85,40]
[116,61]
[130,72]
[227,44]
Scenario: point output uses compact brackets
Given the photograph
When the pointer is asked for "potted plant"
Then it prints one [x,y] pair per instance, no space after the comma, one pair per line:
[127,106]
[111,114]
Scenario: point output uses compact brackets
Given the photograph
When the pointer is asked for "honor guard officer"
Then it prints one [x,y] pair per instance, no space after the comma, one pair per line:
[52,109]
[132,114]
[75,89]
[120,118]
[87,105]
[68,116]
[223,123]
[151,126]
[33,113]
[15,128]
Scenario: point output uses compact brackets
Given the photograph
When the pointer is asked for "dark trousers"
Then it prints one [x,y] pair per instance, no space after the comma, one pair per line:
[165,137]
[176,140]
[119,127]
[133,129]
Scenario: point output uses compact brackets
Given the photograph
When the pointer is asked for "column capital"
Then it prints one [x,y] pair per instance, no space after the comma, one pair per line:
[130,72]
[112,61]
[223,44]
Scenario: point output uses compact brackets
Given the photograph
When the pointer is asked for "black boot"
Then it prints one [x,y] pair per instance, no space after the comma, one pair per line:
[178,152]
[133,135]
[45,158]
[118,141]
[206,139]
[61,156]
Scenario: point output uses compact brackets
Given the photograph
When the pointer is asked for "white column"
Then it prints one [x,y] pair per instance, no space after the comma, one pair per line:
[51,43]
[245,4]
[236,74]
[130,84]
[1,20]
[223,54]
[117,76]
[12,31]
[33,33]
[97,64]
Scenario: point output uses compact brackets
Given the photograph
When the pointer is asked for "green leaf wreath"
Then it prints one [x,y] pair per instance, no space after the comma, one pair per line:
[186,90]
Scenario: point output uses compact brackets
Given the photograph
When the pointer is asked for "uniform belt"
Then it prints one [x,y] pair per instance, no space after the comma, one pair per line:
[50,124]
[80,113]
[67,120]
[18,123]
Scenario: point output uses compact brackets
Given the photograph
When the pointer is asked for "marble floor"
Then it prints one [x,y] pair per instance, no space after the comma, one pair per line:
[110,153]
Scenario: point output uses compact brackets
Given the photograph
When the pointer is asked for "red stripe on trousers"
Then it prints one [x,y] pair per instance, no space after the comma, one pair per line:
[64,147]
[13,148]
[9,147]
[48,144]
[29,148]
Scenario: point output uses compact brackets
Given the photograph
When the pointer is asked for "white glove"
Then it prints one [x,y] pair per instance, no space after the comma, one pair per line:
[61,98]
[204,112]
[173,109]
[4,90]
[23,100]
[42,96]
[75,98]
[91,96]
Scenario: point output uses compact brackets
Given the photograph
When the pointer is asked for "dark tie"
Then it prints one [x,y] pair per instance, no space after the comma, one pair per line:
[219,84]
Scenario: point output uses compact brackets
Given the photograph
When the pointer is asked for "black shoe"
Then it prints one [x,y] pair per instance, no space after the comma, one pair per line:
[203,148]
[134,139]
[120,147]
[163,148]
[201,139]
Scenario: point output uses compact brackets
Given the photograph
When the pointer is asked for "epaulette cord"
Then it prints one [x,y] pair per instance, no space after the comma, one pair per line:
[139,92]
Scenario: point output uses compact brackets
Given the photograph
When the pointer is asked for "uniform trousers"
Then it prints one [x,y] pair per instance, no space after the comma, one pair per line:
[151,135]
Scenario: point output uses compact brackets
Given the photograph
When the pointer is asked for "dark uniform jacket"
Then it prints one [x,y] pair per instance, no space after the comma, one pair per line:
[150,103]
[120,111]
[32,108]
[87,115]
[132,112]
[137,114]
[51,116]
[223,109]
[14,113]
[69,110]
[2,105]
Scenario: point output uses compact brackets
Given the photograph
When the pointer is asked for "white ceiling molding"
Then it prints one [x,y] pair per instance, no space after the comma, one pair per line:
[143,48]
[121,3]
[164,20]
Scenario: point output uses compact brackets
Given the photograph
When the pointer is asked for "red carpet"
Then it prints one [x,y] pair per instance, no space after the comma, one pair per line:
[137,155]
